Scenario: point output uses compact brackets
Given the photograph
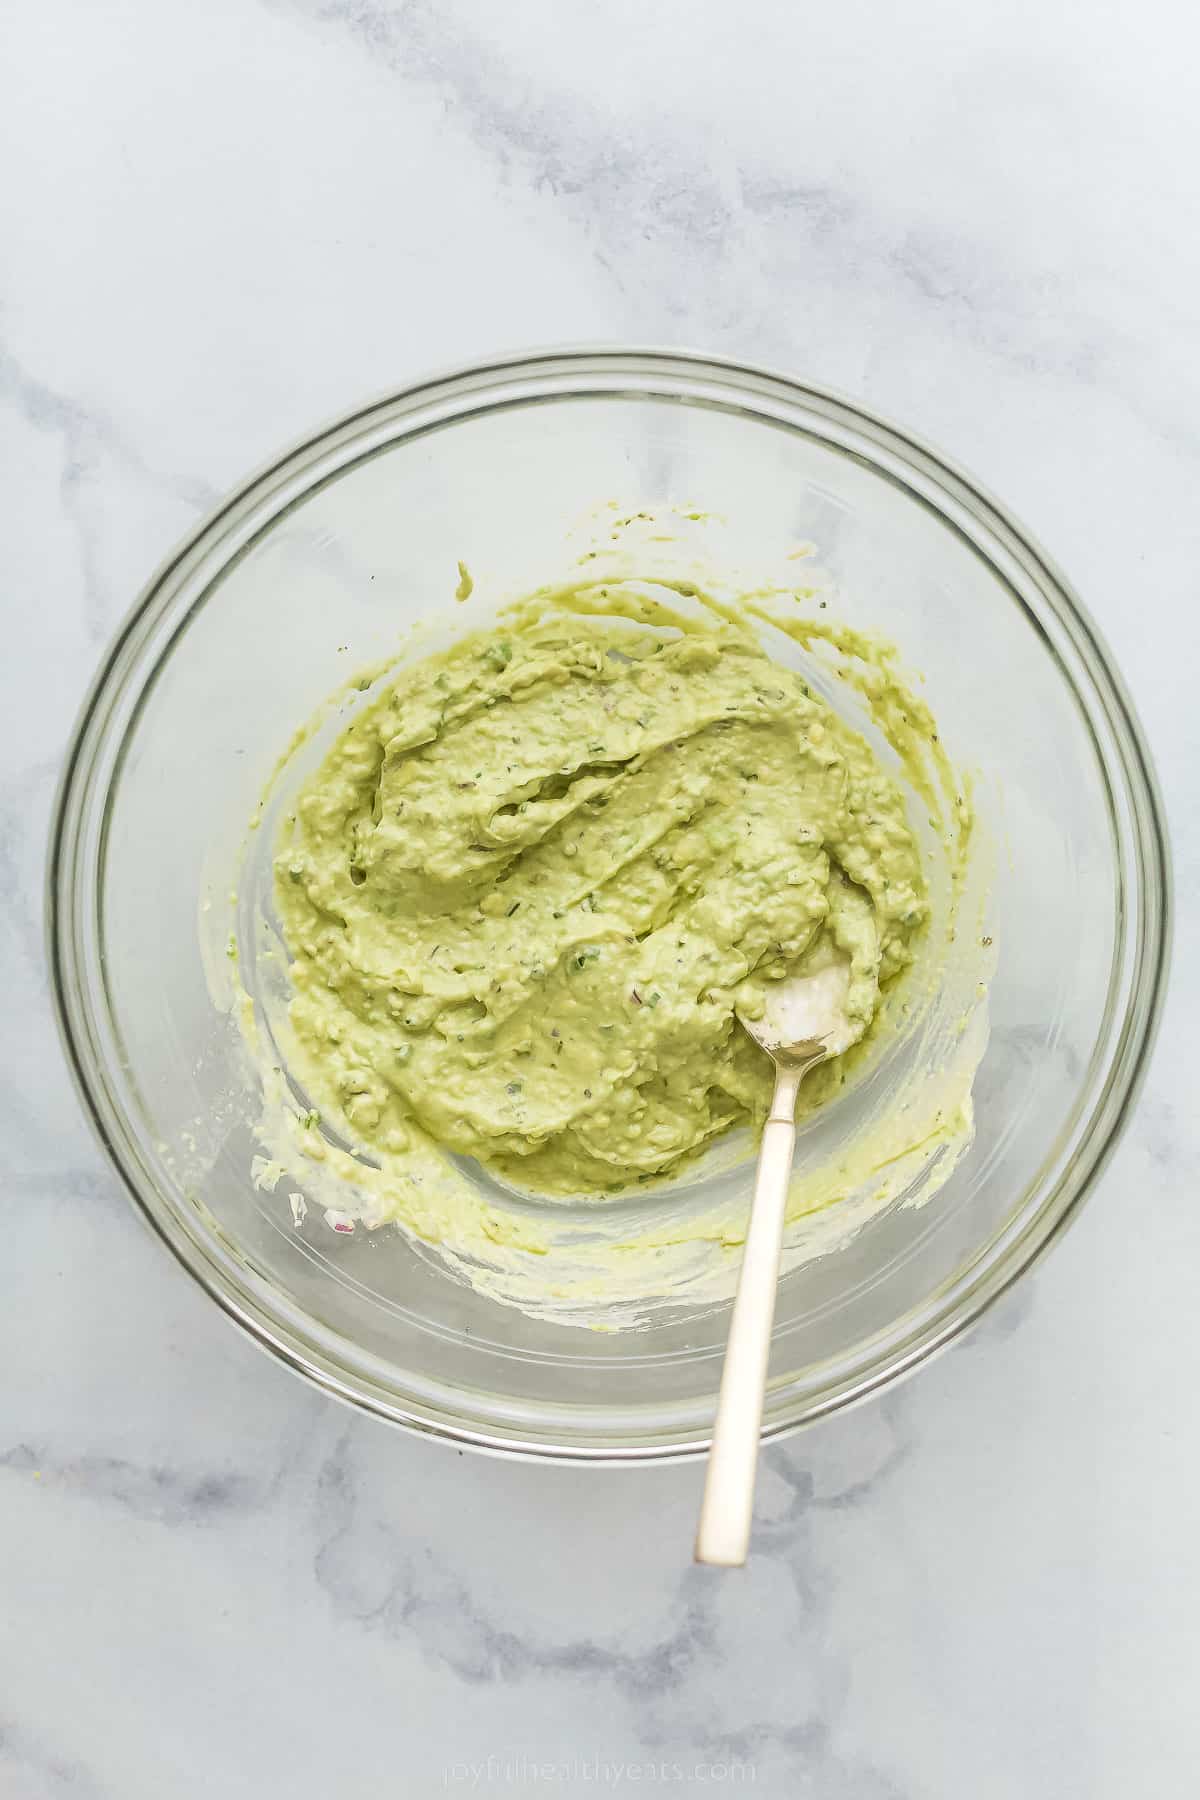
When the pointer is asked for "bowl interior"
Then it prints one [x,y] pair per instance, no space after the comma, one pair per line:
[319,568]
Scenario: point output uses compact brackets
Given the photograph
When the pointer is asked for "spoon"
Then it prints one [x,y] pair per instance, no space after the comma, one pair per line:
[804,1022]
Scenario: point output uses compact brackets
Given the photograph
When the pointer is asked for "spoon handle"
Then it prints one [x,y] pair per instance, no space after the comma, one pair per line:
[723,1535]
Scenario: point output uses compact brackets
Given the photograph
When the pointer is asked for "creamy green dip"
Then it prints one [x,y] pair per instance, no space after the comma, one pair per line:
[531,885]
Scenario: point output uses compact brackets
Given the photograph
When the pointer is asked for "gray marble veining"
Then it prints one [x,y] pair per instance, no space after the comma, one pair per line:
[224,223]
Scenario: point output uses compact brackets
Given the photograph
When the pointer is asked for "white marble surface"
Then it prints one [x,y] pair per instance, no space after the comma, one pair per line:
[222,222]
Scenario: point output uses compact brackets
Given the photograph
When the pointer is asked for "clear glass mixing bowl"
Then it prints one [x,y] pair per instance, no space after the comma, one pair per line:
[351,535]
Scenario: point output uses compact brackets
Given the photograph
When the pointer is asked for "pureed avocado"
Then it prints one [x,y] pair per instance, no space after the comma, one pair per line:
[530,885]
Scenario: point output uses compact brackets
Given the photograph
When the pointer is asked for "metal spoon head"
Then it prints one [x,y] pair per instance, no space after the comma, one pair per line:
[805,1017]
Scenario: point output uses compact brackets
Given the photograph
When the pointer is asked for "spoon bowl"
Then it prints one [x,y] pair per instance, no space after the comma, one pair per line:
[805,1019]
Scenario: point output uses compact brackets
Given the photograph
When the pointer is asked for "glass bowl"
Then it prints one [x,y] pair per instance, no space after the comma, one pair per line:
[353,535]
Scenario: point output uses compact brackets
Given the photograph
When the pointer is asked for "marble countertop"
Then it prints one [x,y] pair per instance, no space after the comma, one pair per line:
[224,222]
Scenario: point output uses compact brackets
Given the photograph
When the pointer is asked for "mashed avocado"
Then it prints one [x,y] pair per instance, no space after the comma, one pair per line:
[529,887]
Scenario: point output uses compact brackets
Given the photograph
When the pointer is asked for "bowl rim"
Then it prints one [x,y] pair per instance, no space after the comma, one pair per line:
[1105,1114]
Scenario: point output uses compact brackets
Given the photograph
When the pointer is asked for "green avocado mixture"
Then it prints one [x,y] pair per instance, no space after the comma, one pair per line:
[531,885]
